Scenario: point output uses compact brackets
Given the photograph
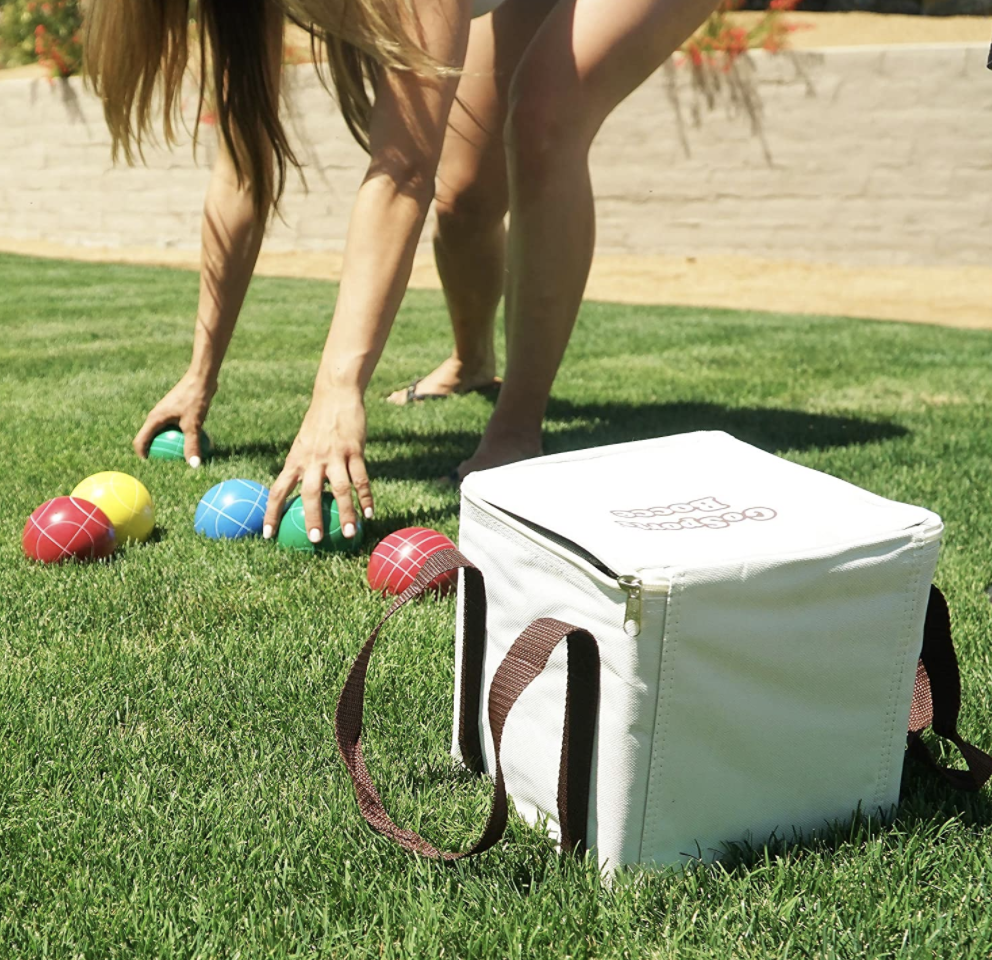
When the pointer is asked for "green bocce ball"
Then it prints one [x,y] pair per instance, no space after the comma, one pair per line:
[293,529]
[168,445]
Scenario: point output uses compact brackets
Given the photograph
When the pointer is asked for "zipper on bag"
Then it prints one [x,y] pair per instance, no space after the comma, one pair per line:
[630,584]
[633,587]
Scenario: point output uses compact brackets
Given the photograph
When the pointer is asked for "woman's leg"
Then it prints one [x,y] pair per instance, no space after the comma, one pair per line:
[587,56]
[472,196]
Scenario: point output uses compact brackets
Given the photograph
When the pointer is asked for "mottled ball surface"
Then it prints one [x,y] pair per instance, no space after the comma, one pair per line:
[168,445]
[68,528]
[293,529]
[231,510]
[397,560]
[125,501]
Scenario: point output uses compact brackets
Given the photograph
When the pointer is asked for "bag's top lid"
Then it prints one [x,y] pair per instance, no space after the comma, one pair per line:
[690,500]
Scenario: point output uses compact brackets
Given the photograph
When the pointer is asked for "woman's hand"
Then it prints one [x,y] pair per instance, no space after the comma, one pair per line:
[186,406]
[329,447]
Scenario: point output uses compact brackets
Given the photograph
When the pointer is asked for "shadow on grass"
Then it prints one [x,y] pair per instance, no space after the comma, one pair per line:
[576,426]
[928,798]
[928,804]
[272,452]
[572,425]
[421,517]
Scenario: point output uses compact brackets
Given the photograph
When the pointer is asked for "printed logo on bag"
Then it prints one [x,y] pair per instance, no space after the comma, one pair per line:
[706,513]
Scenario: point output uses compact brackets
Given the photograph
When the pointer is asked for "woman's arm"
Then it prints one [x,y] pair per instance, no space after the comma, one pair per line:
[232,231]
[232,235]
[406,135]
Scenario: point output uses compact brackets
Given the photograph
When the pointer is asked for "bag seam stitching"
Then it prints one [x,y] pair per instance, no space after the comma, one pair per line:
[666,672]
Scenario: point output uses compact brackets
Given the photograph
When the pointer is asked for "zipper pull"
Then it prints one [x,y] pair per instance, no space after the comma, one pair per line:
[632,614]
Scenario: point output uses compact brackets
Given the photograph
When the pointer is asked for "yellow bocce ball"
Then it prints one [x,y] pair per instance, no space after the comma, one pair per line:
[126,502]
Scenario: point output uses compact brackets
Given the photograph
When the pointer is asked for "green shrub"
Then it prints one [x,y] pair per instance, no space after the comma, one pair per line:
[42,31]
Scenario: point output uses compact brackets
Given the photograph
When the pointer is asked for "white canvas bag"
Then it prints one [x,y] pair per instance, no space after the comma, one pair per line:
[743,636]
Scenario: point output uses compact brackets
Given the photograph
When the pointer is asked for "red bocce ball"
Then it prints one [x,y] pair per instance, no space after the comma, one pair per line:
[398,558]
[68,528]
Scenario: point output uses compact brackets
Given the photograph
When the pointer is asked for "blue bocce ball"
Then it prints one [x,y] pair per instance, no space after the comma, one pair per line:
[231,510]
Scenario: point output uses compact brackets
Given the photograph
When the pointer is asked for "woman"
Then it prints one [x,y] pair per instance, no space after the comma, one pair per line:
[537,80]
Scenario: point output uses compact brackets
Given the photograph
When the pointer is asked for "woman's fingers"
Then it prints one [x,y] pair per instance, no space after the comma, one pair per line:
[311,490]
[143,439]
[278,493]
[360,479]
[337,474]
[191,445]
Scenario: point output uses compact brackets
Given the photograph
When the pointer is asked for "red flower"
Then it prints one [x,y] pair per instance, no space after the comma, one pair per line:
[721,41]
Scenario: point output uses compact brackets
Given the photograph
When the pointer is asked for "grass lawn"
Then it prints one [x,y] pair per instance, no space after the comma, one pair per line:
[169,783]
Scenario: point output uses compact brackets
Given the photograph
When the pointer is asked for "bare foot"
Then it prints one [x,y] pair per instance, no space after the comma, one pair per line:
[450,378]
[498,453]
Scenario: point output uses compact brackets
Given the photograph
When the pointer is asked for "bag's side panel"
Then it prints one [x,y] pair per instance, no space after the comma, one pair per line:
[784,696]
[524,582]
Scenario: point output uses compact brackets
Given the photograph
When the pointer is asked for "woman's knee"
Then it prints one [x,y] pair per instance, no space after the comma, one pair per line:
[470,207]
[542,134]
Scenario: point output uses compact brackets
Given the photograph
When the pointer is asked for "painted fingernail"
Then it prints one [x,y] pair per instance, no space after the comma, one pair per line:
[267,532]
[315,535]
[349,530]
[194,462]
[368,513]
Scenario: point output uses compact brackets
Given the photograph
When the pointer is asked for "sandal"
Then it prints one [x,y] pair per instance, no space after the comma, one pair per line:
[486,389]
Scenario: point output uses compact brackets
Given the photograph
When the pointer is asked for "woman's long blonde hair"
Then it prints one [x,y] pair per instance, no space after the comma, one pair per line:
[134,47]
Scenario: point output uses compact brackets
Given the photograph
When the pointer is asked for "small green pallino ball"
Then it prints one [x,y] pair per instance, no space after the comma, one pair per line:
[293,529]
[168,445]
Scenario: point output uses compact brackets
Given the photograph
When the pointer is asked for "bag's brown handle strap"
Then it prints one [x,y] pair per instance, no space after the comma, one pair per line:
[937,700]
[523,663]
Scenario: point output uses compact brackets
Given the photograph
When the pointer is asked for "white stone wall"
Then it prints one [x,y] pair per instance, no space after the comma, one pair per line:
[888,161]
